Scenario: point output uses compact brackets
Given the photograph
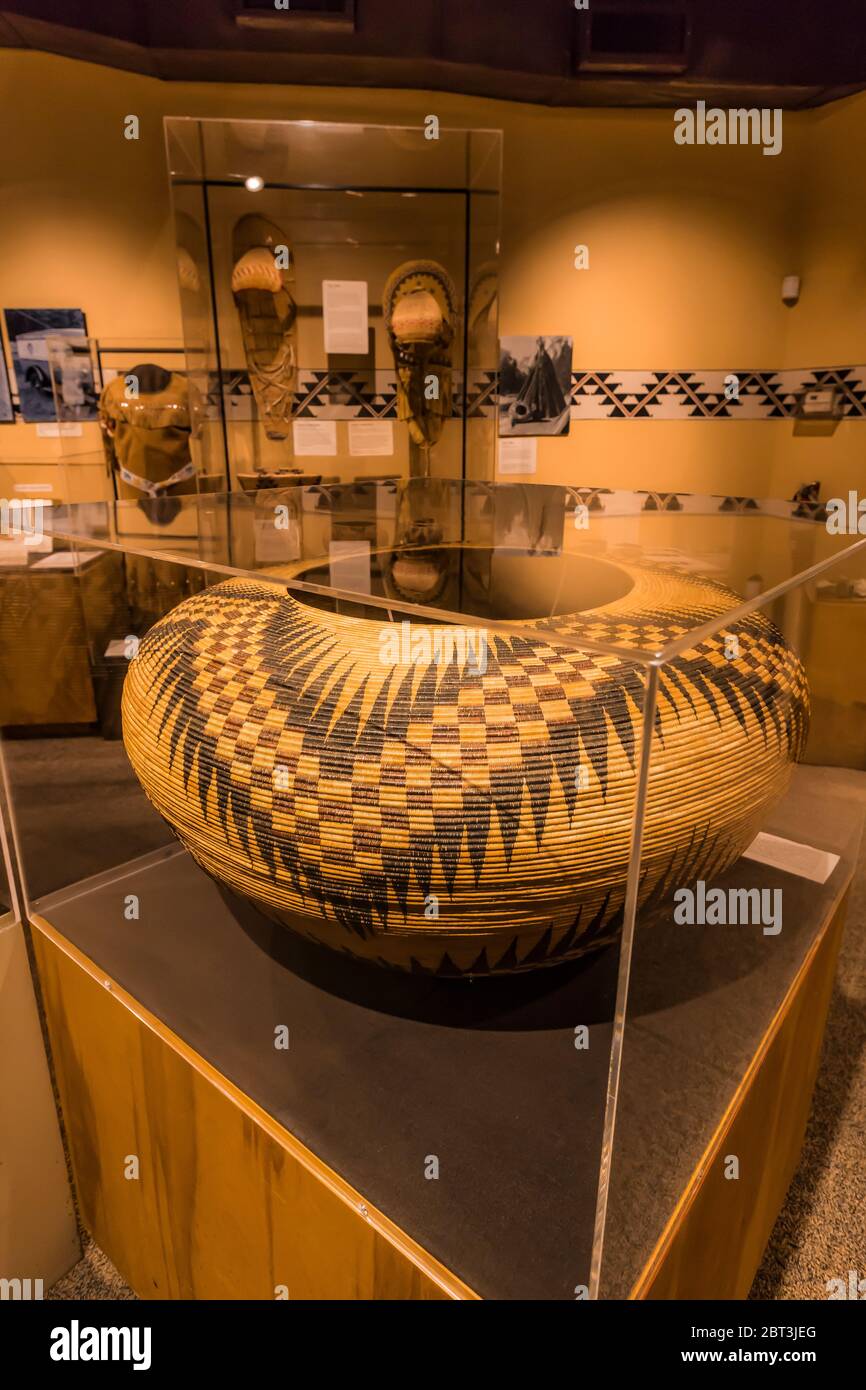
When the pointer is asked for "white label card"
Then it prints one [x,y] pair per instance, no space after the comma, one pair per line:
[793,858]
[346,321]
[518,455]
[371,438]
[67,560]
[55,431]
[350,565]
[314,438]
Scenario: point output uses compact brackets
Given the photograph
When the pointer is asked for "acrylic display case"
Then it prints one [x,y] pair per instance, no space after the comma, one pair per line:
[340,208]
[71,474]
[638,840]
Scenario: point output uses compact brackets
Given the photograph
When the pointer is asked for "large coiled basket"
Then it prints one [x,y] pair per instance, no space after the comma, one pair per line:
[441,818]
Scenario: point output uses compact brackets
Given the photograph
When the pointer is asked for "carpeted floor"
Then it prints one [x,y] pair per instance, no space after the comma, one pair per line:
[93,1277]
[821,1231]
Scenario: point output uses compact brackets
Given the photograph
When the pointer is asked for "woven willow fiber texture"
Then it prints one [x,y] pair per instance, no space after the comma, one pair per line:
[267,314]
[420,308]
[347,797]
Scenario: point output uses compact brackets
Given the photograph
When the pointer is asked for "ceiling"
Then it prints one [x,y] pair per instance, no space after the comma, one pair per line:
[789,53]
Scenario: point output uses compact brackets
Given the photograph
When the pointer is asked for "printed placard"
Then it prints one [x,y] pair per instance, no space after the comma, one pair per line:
[54,431]
[518,455]
[371,438]
[314,438]
[792,857]
[346,320]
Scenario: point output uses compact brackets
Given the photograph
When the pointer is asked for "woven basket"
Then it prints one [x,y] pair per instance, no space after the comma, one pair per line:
[439,818]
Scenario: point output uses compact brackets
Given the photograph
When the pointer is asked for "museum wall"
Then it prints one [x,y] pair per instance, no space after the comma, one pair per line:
[687,248]
[828,327]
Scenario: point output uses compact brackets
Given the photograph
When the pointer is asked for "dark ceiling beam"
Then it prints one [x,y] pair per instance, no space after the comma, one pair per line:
[789,53]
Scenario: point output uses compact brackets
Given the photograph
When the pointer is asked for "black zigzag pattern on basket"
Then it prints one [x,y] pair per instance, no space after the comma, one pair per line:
[306,672]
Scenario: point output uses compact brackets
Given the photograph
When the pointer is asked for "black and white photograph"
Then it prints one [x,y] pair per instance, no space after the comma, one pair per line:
[29,331]
[534,384]
[7,410]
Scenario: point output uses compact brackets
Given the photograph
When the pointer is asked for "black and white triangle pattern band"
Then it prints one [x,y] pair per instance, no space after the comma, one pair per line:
[718,394]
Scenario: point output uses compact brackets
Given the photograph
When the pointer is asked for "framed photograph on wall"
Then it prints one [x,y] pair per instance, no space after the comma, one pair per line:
[534,384]
[28,331]
[7,410]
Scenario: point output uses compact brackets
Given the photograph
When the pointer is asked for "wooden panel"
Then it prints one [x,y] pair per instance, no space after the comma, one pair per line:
[48,622]
[714,1241]
[227,1204]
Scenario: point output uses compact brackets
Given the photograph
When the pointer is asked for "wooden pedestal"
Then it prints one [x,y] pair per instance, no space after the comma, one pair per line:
[714,1241]
[228,1204]
[211,1163]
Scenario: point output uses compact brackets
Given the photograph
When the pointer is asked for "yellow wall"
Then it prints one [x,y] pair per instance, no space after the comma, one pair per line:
[688,246]
[829,325]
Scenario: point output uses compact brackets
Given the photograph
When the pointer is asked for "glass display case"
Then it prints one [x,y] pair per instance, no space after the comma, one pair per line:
[530,810]
[338,287]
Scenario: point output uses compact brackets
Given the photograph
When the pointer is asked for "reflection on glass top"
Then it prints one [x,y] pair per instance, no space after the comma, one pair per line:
[330,154]
[592,566]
